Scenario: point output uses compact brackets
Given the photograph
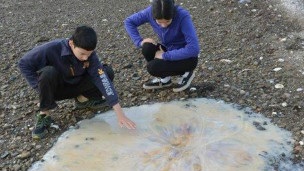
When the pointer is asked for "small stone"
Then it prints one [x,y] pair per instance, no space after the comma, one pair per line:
[283,39]
[4,87]
[24,155]
[129,95]
[284,104]
[226,61]
[210,68]
[242,92]
[299,89]
[127,66]
[5,154]
[277,69]
[244,1]
[6,125]
[301,142]
[144,98]
[192,89]
[279,86]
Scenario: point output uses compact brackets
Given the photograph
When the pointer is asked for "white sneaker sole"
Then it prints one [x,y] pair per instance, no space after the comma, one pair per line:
[156,87]
[186,85]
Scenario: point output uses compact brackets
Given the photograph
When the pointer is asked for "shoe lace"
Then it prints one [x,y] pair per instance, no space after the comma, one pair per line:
[43,121]
[95,102]
[91,103]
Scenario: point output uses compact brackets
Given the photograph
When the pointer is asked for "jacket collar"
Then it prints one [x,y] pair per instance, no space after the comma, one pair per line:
[66,49]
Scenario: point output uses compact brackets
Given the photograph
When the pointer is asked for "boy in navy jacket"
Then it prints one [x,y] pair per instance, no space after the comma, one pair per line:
[70,68]
[178,52]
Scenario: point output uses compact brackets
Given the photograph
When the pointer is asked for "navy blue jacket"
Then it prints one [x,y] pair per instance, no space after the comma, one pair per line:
[179,37]
[57,53]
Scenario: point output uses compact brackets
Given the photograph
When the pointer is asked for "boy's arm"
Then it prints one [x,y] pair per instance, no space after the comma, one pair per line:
[29,73]
[101,80]
[30,63]
[106,87]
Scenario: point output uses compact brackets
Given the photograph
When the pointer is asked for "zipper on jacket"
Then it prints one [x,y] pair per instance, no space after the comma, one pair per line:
[72,70]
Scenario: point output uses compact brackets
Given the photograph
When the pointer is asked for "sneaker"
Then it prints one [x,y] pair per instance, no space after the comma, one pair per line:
[156,83]
[184,82]
[90,104]
[43,122]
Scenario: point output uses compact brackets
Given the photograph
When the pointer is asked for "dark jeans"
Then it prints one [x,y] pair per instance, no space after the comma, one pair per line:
[161,68]
[52,88]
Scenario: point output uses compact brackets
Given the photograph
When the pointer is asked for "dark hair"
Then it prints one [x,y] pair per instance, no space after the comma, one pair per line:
[85,37]
[163,9]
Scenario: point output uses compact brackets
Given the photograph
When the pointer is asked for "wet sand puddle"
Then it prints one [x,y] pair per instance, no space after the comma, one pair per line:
[193,135]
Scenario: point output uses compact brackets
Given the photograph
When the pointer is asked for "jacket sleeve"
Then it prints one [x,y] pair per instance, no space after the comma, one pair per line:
[132,22]
[102,81]
[192,44]
[30,63]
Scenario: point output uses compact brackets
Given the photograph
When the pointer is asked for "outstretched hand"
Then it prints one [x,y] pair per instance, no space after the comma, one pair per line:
[123,121]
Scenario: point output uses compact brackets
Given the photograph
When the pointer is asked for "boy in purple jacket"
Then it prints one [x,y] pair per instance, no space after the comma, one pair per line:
[70,68]
[178,52]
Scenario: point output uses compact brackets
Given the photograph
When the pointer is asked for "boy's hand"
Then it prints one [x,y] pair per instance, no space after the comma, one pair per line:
[123,121]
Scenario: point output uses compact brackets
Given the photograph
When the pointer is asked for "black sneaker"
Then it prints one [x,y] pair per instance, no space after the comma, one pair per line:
[156,83]
[184,83]
[90,104]
[43,122]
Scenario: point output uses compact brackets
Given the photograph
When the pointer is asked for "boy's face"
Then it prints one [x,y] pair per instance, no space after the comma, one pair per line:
[81,54]
[163,22]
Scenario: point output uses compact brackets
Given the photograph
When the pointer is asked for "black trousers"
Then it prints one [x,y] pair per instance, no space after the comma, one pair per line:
[161,68]
[52,88]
